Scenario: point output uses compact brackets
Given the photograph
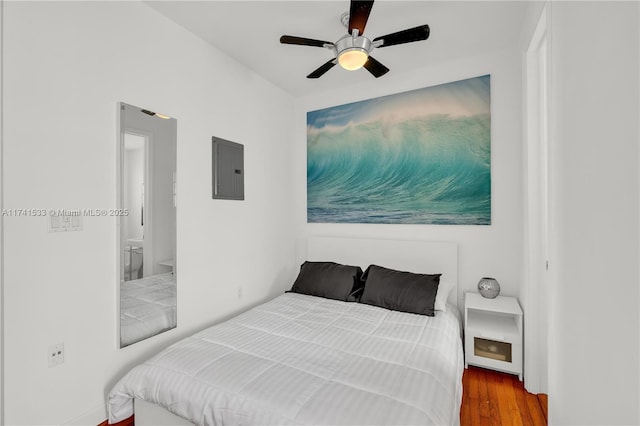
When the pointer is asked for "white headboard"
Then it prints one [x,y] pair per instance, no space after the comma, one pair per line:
[426,257]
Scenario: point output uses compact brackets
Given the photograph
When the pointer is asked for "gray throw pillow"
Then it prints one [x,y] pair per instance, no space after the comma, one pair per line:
[327,279]
[400,291]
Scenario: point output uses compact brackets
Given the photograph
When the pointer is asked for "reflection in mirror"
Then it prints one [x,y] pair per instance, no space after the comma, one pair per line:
[147,233]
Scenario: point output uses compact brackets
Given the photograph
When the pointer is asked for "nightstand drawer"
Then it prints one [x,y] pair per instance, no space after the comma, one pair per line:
[492,349]
[505,356]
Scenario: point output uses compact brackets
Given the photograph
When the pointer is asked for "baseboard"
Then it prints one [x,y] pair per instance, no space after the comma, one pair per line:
[89,417]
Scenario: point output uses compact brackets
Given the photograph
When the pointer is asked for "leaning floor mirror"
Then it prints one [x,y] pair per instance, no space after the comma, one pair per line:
[147,229]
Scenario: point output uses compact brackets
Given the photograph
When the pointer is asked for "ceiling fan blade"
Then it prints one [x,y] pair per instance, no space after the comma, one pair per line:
[287,39]
[404,36]
[375,67]
[359,15]
[323,69]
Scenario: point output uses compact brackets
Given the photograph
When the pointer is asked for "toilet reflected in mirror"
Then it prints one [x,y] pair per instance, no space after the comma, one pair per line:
[147,236]
[132,262]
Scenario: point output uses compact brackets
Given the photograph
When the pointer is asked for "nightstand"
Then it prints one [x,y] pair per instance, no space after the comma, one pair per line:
[493,333]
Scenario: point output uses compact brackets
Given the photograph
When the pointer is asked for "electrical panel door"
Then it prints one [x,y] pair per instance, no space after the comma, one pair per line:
[228,170]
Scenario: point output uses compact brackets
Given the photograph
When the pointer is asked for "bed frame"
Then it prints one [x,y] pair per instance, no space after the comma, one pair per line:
[407,255]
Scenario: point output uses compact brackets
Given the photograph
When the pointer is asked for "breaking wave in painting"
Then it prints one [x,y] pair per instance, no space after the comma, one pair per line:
[433,169]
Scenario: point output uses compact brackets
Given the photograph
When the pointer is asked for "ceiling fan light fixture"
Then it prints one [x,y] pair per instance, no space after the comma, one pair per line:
[353,58]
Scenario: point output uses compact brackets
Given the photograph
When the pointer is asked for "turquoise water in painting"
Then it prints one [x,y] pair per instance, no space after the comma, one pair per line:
[433,169]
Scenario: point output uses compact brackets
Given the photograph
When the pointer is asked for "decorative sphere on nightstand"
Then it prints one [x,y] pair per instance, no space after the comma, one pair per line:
[489,287]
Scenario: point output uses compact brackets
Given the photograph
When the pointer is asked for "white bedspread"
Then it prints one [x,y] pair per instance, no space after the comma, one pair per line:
[307,360]
[147,307]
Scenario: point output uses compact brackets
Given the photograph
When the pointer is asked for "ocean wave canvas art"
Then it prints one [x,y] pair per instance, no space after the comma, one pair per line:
[418,157]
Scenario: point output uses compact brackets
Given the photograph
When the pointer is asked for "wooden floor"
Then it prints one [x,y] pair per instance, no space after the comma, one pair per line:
[497,399]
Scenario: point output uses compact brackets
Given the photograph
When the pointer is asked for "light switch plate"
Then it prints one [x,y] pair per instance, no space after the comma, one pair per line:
[62,222]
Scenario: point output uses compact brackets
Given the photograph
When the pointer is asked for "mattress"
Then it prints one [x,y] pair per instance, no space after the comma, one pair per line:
[147,307]
[307,360]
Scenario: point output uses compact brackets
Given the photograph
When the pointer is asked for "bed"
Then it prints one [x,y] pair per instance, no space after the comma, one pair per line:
[304,359]
[147,307]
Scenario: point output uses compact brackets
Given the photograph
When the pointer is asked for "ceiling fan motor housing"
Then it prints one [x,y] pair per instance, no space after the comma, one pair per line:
[349,42]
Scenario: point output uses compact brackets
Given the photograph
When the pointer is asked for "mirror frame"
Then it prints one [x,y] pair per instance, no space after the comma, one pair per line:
[120,206]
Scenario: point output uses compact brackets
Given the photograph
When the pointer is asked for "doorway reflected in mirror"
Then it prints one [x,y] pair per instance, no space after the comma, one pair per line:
[133,185]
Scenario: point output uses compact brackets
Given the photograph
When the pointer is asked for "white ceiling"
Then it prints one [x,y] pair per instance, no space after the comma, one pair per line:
[249,31]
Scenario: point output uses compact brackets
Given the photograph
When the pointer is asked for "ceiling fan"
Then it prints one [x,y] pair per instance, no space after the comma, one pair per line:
[353,50]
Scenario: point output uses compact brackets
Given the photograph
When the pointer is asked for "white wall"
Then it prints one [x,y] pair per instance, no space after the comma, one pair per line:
[593,340]
[494,250]
[66,66]
[2,298]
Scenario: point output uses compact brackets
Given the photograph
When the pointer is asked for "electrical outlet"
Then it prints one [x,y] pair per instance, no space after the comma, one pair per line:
[56,354]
